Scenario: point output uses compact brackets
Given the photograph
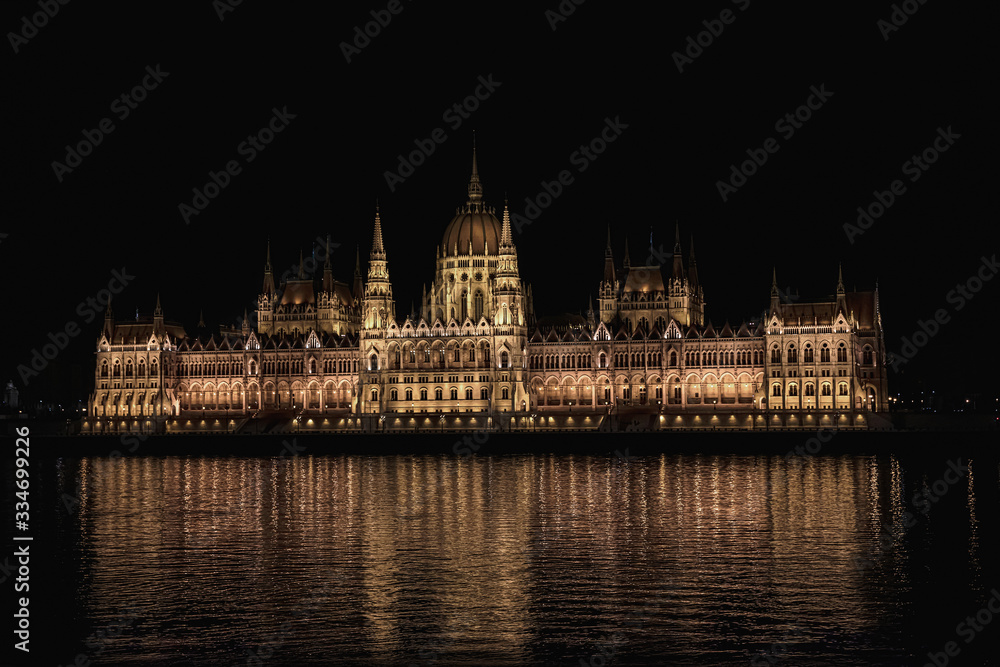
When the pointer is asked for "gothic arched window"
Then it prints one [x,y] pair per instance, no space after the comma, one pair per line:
[478,305]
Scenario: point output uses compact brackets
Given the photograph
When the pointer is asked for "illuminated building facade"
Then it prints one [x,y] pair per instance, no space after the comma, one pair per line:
[328,356]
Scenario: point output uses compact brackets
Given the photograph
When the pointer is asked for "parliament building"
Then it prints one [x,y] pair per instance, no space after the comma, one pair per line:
[328,356]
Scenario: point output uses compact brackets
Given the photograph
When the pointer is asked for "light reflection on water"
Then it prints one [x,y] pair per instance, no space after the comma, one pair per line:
[505,560]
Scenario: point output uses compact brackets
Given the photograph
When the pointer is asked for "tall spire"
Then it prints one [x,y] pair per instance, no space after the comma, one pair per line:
[678,272]
[841,294]
[378,250]
[693,268]
[268,275]
[158,311]
[201,318]
[109,320]
[377,264]
[775,292]
[506,237]
[327,269]
[626,262]
[475,188]
[302,266]
[378,307]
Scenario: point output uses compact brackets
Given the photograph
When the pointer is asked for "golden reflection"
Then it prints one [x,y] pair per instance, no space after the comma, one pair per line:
[975,566]
[405,552]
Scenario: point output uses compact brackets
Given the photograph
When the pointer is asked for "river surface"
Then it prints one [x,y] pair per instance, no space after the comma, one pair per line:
[507,560]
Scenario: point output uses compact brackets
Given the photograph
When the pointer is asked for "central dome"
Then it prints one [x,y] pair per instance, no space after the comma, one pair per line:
[476,223]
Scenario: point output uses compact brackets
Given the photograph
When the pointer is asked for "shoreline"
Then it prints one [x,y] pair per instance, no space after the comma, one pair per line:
[622,445]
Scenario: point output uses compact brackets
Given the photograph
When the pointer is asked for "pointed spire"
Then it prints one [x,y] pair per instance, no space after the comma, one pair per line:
[841,294]
[475,188]
[327,269]
[609,262]
[109,319]
[268,287]
[302,266]
[201,318]
[506,237]
[678,270]
[775,293]
[158,311]
[246,323]
[626,262]
[378,250]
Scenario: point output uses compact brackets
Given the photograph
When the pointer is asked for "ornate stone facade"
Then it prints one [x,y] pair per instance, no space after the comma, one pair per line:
[324,356]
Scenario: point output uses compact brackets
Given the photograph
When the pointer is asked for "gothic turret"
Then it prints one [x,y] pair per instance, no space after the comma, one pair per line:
[158,327]
[841,293]
[109,321]
[379,307]
[775,293]
[678,269]
[268,274]
[509,308]
[327,269]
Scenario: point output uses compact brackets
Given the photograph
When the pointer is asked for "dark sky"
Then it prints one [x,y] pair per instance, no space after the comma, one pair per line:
[681,132]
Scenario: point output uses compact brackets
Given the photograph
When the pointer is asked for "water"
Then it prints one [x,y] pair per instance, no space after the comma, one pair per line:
[533,559]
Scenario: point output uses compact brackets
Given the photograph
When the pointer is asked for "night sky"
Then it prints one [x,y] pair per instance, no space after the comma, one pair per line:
[553,91]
